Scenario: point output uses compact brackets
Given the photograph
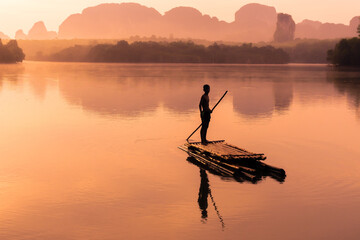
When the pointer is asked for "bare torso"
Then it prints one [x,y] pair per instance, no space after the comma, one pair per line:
[204,103]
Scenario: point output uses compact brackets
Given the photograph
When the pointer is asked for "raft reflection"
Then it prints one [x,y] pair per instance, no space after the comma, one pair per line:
[249,171]
[259,169]
[262,171]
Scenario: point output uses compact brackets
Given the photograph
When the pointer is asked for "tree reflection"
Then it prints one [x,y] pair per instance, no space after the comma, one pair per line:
[10,73]
[347,82]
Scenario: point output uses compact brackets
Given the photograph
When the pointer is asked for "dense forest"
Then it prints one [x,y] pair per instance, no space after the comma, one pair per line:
[299,51]
[308,51]
[346,53]
[171,52]
[10,52]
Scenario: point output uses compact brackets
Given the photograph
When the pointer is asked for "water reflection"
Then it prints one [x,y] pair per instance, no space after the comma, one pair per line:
[259,99]
[129,90]
[88,172]
[134,89]
[204,193]
[37,77]
[254,101]
[243,175]
[247,172]
[10,73]
[347,82]
[283,95]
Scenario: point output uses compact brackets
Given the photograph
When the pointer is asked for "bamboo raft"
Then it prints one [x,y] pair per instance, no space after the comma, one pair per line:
[230,161]
[224,151]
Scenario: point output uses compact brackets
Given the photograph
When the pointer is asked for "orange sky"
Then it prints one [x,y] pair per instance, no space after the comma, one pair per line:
[22,14]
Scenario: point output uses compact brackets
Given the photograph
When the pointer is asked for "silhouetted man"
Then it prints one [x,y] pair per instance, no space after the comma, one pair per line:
[205,113]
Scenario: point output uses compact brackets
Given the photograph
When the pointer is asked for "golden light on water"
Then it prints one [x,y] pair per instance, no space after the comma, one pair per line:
[74,154]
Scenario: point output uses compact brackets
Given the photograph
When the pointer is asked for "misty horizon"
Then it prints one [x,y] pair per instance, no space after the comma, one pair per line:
[253,23]
[52,29]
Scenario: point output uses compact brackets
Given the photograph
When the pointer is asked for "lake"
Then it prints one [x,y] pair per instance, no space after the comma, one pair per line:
[90,151]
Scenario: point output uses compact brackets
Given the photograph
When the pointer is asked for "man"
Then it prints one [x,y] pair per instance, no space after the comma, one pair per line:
[205,113]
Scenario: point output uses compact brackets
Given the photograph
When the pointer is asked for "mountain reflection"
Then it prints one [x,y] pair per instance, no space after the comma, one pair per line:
[283,95]
[130,90]
[263,93]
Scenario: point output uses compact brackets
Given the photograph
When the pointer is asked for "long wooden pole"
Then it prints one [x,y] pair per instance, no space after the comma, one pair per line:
[211,110]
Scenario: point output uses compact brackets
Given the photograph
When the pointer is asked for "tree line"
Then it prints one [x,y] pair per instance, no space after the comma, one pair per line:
[309,50]
[346,53]
[171,52]
[10,52]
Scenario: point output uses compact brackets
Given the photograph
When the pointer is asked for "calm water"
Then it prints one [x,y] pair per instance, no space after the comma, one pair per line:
[89,151]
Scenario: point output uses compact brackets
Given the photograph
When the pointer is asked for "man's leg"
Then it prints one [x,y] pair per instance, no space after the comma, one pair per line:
[203,131]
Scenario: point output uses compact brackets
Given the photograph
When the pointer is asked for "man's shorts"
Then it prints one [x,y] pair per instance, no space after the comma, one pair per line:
[205,118]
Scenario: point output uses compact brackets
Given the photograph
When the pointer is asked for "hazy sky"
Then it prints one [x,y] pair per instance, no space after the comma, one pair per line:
[22,14]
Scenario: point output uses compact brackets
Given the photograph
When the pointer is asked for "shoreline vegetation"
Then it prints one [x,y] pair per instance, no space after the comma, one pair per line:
[10,52]
[346,53]
[169,52]
[299,50]
[339,52]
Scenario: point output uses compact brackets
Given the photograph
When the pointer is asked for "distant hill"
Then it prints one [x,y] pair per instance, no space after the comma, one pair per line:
[37,32]
[111,21]
[3,36]
[253,23]
[319,30]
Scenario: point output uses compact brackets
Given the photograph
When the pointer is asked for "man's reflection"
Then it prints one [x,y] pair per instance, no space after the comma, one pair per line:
[203,194]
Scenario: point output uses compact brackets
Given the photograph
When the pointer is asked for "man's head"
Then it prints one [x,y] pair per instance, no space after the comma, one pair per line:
[206,88]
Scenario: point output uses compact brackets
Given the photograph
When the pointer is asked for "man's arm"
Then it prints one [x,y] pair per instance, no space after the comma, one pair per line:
[200,104]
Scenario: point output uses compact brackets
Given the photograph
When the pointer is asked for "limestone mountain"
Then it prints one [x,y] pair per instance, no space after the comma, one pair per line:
[112,21]
[285,28]
[186,22]
[4,36]
[39,32]
[20,35]
[319,30]
[354,23]
[253,22]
